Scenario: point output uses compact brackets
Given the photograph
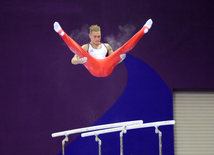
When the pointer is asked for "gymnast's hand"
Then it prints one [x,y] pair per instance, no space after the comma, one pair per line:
[122,56]
[77,60]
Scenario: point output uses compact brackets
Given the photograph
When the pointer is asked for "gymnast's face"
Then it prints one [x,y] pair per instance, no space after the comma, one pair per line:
[95,37]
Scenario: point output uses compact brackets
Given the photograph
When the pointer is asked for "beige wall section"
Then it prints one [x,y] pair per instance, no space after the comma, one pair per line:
[194,128]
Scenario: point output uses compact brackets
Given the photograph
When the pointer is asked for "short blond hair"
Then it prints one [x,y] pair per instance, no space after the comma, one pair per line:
[94,28]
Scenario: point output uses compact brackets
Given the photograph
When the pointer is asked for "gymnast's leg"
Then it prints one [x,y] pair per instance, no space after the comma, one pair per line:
[133,41]
[73,46]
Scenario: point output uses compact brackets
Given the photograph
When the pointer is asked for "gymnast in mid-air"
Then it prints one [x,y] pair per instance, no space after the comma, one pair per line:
[97,57]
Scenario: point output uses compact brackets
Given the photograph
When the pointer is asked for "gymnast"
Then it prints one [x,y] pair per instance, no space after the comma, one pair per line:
[97,57]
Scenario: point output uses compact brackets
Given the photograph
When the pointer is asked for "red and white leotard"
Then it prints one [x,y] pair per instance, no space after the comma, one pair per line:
[102,67]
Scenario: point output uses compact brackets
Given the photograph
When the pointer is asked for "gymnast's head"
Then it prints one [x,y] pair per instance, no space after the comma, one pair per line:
[94,28]
[95,34]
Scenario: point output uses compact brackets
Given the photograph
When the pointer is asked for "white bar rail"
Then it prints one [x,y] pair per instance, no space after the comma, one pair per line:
[145,125]
[98,127]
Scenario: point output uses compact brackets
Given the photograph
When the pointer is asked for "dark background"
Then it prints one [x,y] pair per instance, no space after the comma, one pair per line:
[41,91]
